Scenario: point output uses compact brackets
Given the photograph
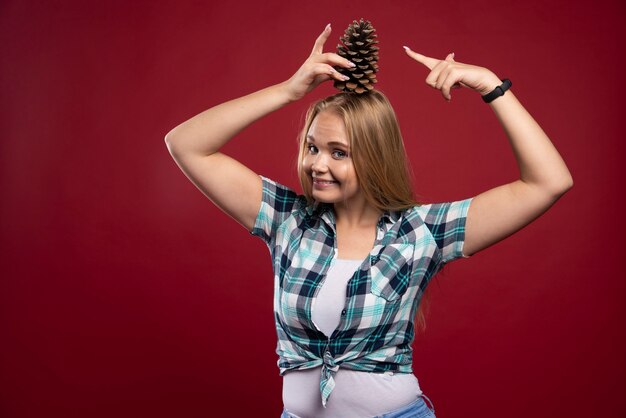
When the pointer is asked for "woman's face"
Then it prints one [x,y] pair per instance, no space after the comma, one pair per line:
[328,162]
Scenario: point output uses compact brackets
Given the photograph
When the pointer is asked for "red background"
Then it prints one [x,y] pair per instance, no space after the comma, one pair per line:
[125,293]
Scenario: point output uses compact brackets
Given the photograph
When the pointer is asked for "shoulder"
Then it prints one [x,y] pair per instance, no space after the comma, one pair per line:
[281,209]
[435,213]
[433,217]
[282,198]
[277,191]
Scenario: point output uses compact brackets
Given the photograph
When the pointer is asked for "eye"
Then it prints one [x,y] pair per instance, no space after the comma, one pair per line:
[339,154]
[311,148]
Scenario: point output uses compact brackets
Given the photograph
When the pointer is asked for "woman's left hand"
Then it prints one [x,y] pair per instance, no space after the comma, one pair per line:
[447,74]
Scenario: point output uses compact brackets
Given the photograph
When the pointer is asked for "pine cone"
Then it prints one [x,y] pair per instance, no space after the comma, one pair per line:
[359,46]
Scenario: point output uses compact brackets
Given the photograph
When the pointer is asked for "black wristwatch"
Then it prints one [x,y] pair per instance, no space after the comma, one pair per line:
[498,91]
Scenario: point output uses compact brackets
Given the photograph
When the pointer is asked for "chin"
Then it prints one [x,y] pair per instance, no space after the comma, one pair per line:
[324,197]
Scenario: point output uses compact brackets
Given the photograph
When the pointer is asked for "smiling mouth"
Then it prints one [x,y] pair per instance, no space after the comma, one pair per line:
[323,183]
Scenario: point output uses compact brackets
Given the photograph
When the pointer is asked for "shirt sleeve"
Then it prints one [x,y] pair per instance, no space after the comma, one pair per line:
[277,204]
[446,222]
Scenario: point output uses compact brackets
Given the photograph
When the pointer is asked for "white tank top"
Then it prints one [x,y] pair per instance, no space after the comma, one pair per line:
[356,393]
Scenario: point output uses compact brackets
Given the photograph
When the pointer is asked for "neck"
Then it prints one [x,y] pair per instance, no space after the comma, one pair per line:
[356,214]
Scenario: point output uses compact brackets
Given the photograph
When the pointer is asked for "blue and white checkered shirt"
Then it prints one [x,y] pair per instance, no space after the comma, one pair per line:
[375,332]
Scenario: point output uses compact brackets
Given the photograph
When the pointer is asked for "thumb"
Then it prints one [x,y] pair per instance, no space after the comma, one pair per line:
[450,57]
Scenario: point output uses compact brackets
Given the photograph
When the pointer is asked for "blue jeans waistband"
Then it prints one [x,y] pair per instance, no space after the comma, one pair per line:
[419,408]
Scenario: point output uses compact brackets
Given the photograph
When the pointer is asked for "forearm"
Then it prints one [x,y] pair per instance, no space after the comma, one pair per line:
[205,133]
[539,162]
[499,212]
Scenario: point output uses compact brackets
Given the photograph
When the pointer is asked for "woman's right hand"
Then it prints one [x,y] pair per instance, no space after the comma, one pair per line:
[316,69]
[195,144]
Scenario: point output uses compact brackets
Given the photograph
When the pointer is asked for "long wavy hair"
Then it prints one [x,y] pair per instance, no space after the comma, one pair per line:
[377,151]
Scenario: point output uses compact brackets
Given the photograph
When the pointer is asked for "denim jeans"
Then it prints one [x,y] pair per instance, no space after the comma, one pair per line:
[416,409]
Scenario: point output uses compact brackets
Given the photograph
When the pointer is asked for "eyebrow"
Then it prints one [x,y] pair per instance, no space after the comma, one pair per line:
[332,143]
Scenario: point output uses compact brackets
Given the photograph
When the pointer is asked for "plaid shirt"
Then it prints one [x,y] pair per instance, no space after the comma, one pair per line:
[375,332]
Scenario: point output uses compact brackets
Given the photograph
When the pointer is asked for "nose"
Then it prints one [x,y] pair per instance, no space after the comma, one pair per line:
[319,164]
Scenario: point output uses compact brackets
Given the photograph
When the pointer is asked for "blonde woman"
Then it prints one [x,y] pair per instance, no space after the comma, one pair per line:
[354,253]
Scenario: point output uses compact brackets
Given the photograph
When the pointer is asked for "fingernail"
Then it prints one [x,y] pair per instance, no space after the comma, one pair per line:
[345,77]
[327,27]
[452,55]
[351,64]
[406,48]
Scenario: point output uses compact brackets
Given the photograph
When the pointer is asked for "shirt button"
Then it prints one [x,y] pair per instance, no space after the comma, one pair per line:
[343,313]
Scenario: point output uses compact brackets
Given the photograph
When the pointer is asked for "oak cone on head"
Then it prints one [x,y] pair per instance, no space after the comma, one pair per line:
[358,44]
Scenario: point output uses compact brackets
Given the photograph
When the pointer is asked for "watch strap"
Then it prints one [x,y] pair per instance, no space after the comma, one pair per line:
[498,91]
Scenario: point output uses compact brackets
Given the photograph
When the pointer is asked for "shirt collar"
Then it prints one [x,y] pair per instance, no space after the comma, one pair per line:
[324,212]
[388,217]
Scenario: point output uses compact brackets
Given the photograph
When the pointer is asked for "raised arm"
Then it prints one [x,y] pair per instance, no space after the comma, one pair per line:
[497,213]
[195,144]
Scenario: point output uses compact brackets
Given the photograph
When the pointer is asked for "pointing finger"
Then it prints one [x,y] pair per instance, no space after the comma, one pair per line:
[423,59]
[319,42]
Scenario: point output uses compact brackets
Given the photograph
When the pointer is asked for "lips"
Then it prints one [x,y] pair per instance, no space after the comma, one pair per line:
[323,183]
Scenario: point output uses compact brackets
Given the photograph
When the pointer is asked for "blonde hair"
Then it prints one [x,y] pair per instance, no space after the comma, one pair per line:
[376,145]
[377,152]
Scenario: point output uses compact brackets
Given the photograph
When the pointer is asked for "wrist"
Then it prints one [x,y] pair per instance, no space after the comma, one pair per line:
[498,91]
[489,85]
[285,93]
